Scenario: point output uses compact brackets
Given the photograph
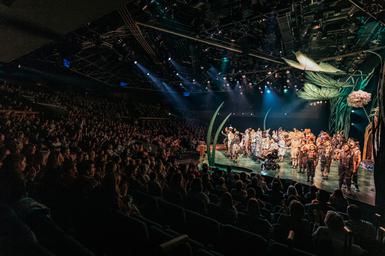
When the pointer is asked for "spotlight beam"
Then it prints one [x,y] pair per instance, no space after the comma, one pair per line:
[208,42]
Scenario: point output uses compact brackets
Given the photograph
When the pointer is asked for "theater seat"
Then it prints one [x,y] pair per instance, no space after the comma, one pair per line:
[202,228]
[172,215]
[236,241]
[159,235]
[148,205]
[282,249]
[213,210]
[127,234]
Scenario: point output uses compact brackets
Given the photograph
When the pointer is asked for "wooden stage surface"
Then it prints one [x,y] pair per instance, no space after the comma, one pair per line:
[365,178]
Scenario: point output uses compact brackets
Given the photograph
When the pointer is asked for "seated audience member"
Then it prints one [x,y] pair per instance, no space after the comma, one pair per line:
[338,201]
[318,208]
[311,194]
[296,222]
[239,193]
[220,187]
[255,184]
[364,232]
[275,195]
[37,217]
[208,187]
[254,221]
[154,188]
[227,212]
[176,192]
[330,239]
[196,199]
[298,186]
[16,237]
[291,194]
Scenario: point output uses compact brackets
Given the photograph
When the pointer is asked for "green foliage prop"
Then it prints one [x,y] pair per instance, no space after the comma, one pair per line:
[210,129]
[220,128]
[319,86]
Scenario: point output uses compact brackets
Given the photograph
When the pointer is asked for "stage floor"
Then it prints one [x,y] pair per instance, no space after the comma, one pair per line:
[365,178]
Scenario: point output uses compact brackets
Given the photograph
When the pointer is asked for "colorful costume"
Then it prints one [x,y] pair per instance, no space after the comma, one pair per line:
[345,167]
[312,161]
[302,158]
[326,159]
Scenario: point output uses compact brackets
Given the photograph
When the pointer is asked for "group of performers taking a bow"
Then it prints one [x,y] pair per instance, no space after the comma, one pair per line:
[305,149]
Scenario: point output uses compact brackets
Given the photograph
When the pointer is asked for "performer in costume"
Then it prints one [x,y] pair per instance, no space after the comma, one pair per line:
[356,163]
[258,143]
[302,156]
[345,167]
[265,145]
[312,161]
[281,148]
[230,140]
[235,146]
[253,142]
[326,159]
[273,146]
[295,141]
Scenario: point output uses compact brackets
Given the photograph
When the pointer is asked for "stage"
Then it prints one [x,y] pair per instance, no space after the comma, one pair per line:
[365,179]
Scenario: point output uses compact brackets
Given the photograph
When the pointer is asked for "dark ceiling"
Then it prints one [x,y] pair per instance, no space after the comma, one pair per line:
[27,25]
[241,40]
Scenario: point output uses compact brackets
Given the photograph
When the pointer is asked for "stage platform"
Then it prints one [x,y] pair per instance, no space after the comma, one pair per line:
[365,179]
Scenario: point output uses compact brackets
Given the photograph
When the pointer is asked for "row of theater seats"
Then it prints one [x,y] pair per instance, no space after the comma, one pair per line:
[169,223]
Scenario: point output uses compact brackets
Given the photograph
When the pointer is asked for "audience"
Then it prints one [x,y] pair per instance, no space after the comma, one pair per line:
[74,177]
[338,201]
[363,231]
[331,239]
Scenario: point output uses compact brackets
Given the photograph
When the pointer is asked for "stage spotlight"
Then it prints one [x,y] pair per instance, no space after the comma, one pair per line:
[268,91]
[287,71]
[352,124]
[177,74]
[224,78]
[135,62]
[352,110]
[148,74]
[285,90]
[169,58]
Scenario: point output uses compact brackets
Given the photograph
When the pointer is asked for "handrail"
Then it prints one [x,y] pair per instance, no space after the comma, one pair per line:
[18,111]
[173,243]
